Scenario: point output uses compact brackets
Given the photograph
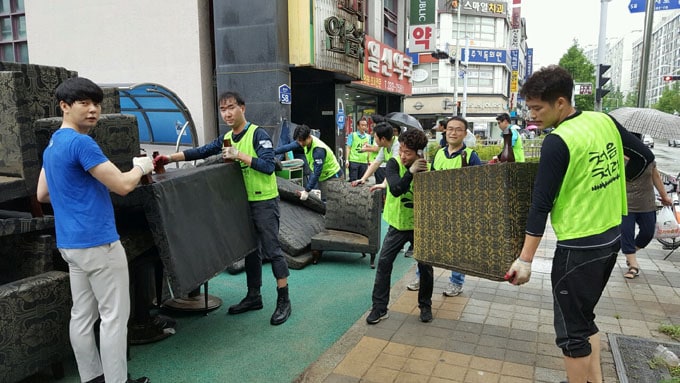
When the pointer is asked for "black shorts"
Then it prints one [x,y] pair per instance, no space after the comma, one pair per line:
[578,279]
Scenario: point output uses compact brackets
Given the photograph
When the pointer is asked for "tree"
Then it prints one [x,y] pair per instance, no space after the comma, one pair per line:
[612,101]
[670,99]
[631,98]
[582,70]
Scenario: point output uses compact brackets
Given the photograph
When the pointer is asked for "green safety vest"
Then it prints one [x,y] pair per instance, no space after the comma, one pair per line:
[388,150]
[518,149]
[330,164]
[398,211]
[259,186]
[355,154]
[442,163]
[595,177]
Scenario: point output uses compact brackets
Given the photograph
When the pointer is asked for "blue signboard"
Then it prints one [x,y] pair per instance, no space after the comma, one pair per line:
[514,59]
[415,57]
[284,94]
[489,56]
[637,6]
[530,62]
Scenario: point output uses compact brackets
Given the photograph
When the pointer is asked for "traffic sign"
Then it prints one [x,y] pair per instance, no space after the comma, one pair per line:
[636,6]
[581,88]
[284,94]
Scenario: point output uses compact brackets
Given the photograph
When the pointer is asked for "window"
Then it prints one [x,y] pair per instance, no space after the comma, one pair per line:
[476,28]
[432,78]
[13,44]
[390,23]
[479,79]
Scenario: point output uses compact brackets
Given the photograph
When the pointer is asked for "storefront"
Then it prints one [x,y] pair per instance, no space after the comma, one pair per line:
[335,82]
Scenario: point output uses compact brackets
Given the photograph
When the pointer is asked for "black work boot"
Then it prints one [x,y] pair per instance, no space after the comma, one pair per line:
[282,311]
[252,301]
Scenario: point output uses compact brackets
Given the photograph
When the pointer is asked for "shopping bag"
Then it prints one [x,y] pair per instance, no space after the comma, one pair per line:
[666,224]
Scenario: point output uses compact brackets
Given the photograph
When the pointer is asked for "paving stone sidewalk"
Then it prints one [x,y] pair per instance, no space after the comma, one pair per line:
[496,332]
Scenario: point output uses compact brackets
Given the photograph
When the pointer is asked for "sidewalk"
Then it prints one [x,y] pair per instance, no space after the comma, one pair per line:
[496,332]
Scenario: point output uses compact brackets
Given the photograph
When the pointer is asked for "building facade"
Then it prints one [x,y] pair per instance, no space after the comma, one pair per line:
[499,60]
[325,63]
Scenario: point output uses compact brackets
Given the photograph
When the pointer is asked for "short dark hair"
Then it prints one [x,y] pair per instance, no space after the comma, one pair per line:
[301,132]
[503,117]
[414,139]
[383,130]
[457,118]
[442,122]
[78,89]
[224,96]
[548,84]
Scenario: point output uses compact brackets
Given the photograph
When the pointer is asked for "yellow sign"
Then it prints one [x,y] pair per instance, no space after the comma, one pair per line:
[513,81]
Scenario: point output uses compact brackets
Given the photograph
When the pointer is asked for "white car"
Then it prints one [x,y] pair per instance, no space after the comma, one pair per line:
[648,140]
[674,142]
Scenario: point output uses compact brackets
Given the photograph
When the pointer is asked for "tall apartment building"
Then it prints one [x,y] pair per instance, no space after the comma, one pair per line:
[664,55]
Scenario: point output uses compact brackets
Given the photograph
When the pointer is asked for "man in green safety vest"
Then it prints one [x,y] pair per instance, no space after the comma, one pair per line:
[357,158]
[581,183]
[398,213]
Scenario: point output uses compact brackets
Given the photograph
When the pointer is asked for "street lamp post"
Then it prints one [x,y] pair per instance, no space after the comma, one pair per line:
[456,64]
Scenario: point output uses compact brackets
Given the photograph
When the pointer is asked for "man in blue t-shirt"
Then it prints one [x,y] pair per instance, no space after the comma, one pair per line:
[76,179]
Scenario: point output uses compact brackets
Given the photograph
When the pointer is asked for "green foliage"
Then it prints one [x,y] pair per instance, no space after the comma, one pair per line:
[582,70]
[670,99]
[671,330]
[631,98]
[612,101]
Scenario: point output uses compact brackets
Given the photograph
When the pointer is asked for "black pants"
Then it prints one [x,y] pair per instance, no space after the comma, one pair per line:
[392,244]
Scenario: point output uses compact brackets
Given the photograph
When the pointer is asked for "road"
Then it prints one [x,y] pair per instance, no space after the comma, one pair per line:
[667,158]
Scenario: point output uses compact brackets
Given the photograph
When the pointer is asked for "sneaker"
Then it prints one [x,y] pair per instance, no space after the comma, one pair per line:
[414,285]
[376,316]
[453,290]
[426,314]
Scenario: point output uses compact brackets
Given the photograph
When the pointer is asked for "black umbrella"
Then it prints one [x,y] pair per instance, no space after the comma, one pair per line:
[403,119]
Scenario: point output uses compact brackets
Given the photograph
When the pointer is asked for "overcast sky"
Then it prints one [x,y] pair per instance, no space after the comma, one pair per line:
[552,25]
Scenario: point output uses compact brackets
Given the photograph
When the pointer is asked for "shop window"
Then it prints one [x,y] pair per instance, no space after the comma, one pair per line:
[13,44]
[390,24]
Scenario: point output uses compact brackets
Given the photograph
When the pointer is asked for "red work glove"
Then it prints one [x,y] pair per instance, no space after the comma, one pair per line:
[161,160]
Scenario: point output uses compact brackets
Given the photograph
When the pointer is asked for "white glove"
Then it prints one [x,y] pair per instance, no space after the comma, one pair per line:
[230,153]
[304,195]
[419,165]
[316,193]
[144,163]
[519,272]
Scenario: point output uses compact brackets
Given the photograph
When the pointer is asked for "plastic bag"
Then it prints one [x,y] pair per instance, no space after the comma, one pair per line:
[666,224]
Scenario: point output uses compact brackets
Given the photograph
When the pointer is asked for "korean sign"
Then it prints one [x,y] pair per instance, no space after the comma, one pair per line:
[422,35]
[386,68]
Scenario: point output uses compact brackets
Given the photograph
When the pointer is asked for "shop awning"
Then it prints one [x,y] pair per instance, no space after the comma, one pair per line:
[162,117]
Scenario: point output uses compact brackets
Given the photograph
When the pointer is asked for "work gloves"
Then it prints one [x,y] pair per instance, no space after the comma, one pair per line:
[519,272]
[230,153]
[143,163]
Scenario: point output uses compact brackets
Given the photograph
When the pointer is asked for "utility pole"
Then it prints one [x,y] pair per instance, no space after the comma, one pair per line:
[601,52]
[456,63]
[646,47]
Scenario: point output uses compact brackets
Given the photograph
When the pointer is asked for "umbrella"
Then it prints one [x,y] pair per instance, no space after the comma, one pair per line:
[654,122]
[403,119]
[532,127]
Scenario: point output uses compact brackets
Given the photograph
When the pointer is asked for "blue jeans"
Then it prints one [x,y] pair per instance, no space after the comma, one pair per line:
[456,278]
[392,244]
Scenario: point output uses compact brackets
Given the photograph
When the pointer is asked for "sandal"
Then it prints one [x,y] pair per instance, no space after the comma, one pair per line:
[632,272]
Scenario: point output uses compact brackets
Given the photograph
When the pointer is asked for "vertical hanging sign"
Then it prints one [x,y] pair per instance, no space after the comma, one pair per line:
[422,35]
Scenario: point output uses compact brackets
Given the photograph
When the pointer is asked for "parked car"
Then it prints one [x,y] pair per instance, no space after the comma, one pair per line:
[648,140]
[675,142]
